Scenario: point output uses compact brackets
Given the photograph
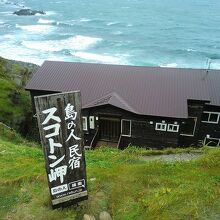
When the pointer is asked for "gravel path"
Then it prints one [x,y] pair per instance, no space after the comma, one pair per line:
[173,157]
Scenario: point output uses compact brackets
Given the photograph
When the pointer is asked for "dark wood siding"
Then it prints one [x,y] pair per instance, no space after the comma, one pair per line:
[211,129]
[195,109]
[143,131]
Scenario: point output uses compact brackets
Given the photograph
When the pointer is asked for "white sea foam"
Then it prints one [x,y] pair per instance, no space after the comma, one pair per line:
[171,65]
[215,64]
[49,13]
[84,19]
[97,57]
[12,51]
[6,12]
[77,42]
[37,28]
[112,23]
[45,21]
[117,32]
[191,50]
[8,36]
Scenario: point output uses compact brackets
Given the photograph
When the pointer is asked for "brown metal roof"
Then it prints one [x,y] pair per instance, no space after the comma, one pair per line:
[142,90]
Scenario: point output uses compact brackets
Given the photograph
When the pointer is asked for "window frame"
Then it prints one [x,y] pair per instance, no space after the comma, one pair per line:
[211,122]
[213,139]
[91,122]
[194,129]
[159,129]
[86,123]
[172,130]
[125,135]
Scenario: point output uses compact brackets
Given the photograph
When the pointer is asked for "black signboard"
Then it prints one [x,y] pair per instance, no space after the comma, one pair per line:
[60,126]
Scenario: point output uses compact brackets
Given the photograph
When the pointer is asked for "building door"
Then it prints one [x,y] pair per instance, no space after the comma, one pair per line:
[109,129]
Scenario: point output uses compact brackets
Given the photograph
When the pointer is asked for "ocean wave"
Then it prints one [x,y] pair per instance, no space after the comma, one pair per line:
[15,4]
[112,23]
[45,21]
[13,51]
[215,64]
[37,28]
[8,36]
[117,33]
[191,50]
[170,65]
[9,50]
[77,42]
[97,57]
[84,20]
[49,13]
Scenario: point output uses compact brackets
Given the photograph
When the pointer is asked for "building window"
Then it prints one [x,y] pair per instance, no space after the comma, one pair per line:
[91,122]
[173,128]
[210,117]
[188,127]
[84,123]
[212,141]
[161,127]
[126,127]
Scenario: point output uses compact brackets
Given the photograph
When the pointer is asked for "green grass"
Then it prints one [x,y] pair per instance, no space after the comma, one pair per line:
[15,102]
[118,182]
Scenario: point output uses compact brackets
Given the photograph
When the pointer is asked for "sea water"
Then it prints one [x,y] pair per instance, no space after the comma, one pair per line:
[167,33]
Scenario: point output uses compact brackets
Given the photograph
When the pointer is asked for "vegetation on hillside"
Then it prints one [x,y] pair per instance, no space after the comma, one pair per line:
[119,182]
[15,104]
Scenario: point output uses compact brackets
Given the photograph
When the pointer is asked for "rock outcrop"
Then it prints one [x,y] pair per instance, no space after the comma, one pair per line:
[28,12]
[88,217]
[105,216]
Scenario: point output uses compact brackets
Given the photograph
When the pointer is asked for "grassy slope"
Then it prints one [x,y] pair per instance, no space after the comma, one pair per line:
[15,105]
[117,182]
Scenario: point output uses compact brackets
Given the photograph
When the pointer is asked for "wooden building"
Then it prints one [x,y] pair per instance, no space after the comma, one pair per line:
[141,106]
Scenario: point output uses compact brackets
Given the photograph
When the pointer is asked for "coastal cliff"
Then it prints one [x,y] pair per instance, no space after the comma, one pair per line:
[15,104]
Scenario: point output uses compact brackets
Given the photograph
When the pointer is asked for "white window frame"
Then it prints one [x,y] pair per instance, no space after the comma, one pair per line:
[125,135]
[91,122]
[173,126]
[213,139]
[86,124]
[191,135]
[159,129]
[211,122]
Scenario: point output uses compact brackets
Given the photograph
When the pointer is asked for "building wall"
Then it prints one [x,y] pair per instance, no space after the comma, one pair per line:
[143,131]
[210,130]
[195,109]
[38,93]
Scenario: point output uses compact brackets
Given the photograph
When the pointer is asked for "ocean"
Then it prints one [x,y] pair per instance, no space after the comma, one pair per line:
[166,33]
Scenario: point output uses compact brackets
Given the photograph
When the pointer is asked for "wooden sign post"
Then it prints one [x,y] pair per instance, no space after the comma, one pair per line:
[60,126]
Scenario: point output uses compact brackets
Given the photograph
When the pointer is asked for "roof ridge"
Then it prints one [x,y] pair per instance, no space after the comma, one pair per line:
[129,108]
[109,99]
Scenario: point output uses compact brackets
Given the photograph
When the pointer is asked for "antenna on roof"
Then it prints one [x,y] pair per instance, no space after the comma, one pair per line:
[208,65]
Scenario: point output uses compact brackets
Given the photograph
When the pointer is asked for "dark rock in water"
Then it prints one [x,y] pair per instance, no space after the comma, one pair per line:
[28,12]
